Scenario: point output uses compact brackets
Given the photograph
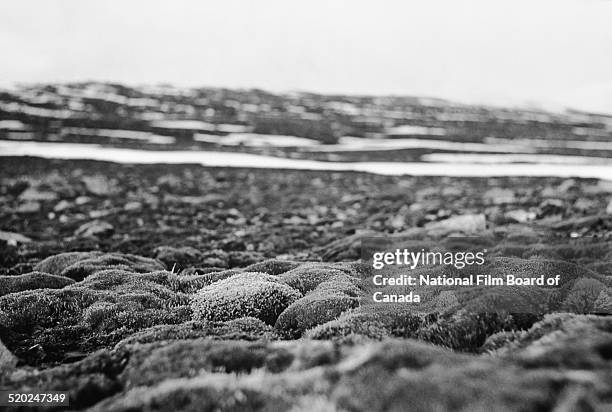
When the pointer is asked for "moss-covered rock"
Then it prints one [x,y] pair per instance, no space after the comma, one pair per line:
[106,317]
[373,322]
[240,258]
[562,340]
[308,276]
[45,308]
[326,302]
[57,263]
[78,265]
[83,268]
[248,329]
[212,392]
[466,331]
[32,280]
[179,256]
[272,266]
[153,363]
[87,381]
[349,324]
[312,310]
[253,294]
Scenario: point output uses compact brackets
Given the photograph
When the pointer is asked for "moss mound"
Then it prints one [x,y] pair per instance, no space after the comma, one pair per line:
[57,263]
[272,266]
[32,280]
[372,322]
[153,363]
[307,277]
[248,329]
[253,294]
[180,256]
[79,265]
[326,302]
[45,308]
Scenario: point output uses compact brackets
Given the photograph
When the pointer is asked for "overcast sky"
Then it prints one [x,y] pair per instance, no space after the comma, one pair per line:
[550,52]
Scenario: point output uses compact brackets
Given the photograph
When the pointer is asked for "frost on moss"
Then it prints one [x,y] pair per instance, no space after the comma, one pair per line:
[253,294]
[32,280]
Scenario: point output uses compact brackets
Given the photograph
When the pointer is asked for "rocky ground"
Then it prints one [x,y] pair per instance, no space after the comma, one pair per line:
[190,288]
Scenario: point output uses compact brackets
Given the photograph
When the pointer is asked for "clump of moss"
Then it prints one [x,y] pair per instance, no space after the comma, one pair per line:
[87,381]
[373,322]
[253,294]
[326,302]
[349,324]
[45,308]
[190,283]
[79,265]
[244,258]
[32,280]
[152,363]
[83,268]
[308,276]
[272,266]
[106,317]
[153,290]
[206,393]
[465,331]
[247,329]
[180,256]
[57,263]
[312,310]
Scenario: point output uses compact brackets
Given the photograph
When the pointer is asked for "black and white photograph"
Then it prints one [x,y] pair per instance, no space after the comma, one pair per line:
[325,205]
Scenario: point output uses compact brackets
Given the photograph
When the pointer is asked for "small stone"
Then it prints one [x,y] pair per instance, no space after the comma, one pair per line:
[498,196]
[29,207]
[94,228]
[99,185]
[132,206]
[466,224]
[583,204]
[62,205]
[520,216]
[81,200]
[97,214]
[13,238]
[566,185]
[33,194]
[551,207]
[602,187]
[397,222]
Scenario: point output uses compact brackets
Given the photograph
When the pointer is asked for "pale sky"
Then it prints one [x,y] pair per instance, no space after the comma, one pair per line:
[555,53]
